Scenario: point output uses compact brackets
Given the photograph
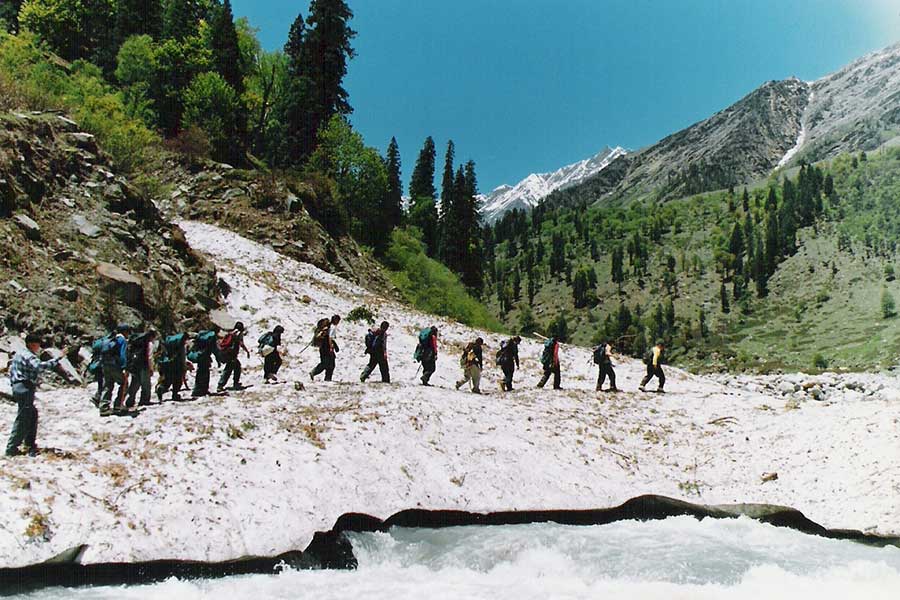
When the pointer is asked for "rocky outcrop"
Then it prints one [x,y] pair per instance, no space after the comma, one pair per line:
[284,213]
[81,247]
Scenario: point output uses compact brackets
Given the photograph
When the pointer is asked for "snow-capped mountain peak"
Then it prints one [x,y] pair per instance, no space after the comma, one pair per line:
[532,190]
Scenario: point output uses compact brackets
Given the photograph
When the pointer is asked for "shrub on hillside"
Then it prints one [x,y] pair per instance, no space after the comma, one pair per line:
[430,286]
[191,143]
[213,106]
[888,305]
[361,314]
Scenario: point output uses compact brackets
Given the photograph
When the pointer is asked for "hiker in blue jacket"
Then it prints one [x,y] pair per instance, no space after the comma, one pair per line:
[24,373]
[114,359]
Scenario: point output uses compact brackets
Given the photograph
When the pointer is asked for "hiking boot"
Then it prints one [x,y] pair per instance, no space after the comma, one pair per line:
[640,387]
[459,384]
[313,377]
[33,451]
[220,390]
[613,389]
[106,413]
[476,391]
[159,395]
[14,452]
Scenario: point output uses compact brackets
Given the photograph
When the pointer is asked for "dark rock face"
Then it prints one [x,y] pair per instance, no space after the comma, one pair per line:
[332,549]
[80,246]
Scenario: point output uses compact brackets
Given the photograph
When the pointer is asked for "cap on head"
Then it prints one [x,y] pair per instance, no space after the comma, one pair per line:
[385,325]
[479,341]
[32,338]
[239,326]
[279,329]
[123,328]
[336,319]
[660,343]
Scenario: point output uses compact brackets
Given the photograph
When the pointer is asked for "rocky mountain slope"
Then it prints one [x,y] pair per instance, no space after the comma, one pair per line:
[529,192]
[80,246]
[259,472]
[779,124]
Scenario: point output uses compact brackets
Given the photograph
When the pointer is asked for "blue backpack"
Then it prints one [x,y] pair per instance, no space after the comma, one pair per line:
[547,354]
[424,337]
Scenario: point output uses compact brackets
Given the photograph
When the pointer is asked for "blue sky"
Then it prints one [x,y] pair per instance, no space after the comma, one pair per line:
[531,85]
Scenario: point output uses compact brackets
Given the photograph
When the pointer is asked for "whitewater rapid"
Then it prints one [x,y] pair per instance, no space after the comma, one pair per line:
[676,558]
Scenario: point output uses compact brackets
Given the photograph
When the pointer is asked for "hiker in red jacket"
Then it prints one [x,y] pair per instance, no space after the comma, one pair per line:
[229,351]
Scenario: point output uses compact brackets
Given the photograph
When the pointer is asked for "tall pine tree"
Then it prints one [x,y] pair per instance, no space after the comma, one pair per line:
[447,220]
[299,124]
[393,209]
[423,209]
[181,19]
[226,54]
[138,17]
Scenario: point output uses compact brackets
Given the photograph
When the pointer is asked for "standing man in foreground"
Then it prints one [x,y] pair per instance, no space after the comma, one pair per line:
[326,339]
[426,353]
[114,359]
[229,349]
[23,375]
[653,360]
[508,359]
[550,362]
[472,362]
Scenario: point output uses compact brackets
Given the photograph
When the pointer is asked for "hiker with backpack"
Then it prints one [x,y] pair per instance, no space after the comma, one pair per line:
[472,362]
[229,352]
[140,367]
[550,362]
[114,359]
[604,363]
[268,349]
[426,352]
[508,359]
[173,367]
[376,348]
[653,360]
[203,348]
[95,367]
[325,339]
[24,375]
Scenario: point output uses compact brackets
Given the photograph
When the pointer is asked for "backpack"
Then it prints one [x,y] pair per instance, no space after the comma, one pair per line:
[502,355]
[547,354]
[265,339]
[109,350]
[600,354]
[468,356]
[648,357]
[135,352]
[203,343]
[371,339]
[97,346]
[320,332]
[424,337]
[172,345]
[228,344]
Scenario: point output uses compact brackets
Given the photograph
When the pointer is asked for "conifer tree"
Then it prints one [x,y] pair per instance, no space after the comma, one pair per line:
[299,125]
[181,19]
[9,12]
[226,54]
[138,17]
[421,185]
[773,252]
[723,296]
[393,210]
[327,50]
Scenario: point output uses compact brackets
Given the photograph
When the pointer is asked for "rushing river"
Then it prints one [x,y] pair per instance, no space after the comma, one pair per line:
[676,558]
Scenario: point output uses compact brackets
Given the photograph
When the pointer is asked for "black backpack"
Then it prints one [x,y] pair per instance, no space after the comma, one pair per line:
[135,354]
[600,354]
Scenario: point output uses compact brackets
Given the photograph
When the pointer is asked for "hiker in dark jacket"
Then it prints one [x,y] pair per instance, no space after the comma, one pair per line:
[114,359]
[140,367]
[24,374]
[551,364]
[605,366]
[326,340]
[229,352]
[268,347]
[376,348]
[508,359]
[202,351]
[428,352]
[173,366]
[95,367]
[653,360]
[472,362]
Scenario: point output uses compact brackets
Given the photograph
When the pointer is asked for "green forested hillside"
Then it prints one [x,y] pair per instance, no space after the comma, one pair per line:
[791,274]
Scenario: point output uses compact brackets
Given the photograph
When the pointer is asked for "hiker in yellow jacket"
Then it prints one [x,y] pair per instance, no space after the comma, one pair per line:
[653,360]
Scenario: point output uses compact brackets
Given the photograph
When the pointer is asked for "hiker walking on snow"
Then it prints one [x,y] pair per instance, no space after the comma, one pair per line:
[229,352]
[508,359]
[24,372]
[95,367]
[653,360]
[201,354]
[550,362]
[472,362]
[114,358]
[140,367]
[426,352]
[268,348]
[325,338]
[173,366]
[604,362]
[376,348]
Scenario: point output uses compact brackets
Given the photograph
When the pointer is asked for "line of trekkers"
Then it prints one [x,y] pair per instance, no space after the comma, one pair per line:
[472,359]
[123,363]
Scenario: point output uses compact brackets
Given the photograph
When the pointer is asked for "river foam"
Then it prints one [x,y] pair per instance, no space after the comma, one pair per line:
[679,557]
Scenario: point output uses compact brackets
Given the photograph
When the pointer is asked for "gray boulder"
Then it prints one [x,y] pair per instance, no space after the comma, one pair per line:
[127,287]
[32,230]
